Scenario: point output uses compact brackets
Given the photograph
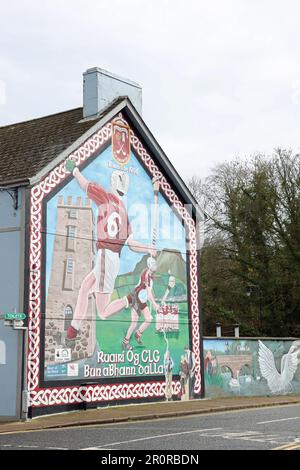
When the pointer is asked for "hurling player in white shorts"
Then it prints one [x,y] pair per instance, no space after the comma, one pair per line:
[113,232]
[137,300]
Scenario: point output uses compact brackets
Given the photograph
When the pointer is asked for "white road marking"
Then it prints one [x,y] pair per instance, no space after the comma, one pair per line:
[294,447]
[56,448]
[24,446]
[245,436]
[19,446]
[151,438]
[277,420]
[289,446]
[253,436]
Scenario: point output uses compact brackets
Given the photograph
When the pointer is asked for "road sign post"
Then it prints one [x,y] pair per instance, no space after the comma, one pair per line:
[16,320]
[14,316]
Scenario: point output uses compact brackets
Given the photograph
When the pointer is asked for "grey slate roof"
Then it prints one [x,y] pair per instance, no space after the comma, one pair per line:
[27,147]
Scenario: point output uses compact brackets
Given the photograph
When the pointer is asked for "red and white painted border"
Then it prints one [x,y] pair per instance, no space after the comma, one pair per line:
[42,397]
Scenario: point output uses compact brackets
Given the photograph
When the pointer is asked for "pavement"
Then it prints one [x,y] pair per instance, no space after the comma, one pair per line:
[140,412]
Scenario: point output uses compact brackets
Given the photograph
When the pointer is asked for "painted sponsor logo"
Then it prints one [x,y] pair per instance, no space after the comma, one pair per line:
[62,355]
[73,370]
[56,370]
[121,142]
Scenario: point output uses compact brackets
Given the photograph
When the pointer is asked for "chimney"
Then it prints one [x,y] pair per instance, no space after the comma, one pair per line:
[236,330]
[218,330]
[101,87]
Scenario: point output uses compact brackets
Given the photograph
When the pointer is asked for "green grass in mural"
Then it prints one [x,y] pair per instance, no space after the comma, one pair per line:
[111,332]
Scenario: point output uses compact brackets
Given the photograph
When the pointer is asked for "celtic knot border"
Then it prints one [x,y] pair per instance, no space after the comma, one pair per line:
[40,397]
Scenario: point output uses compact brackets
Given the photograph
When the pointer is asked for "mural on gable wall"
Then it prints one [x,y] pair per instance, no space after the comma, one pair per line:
[116,273]
[251,367]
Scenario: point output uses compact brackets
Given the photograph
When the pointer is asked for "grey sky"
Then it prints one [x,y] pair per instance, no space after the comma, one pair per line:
[220,78]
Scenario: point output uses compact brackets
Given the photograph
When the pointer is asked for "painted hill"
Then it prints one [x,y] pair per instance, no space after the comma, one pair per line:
[167,260]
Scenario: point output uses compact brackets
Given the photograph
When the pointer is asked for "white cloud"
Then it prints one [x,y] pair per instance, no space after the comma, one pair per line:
[219,79]
[2,92]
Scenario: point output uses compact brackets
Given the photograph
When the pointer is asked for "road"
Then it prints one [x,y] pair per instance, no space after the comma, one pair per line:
[255,429]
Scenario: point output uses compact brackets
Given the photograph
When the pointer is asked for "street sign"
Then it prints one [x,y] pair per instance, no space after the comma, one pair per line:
[14,316]
[18,325]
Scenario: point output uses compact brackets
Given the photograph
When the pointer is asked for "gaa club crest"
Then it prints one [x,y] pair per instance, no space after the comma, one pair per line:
[121,142]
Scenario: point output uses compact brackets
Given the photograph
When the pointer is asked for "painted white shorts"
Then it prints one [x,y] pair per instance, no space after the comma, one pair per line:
[106,269]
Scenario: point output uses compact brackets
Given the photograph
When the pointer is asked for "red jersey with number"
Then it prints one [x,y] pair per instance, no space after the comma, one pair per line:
[113,226]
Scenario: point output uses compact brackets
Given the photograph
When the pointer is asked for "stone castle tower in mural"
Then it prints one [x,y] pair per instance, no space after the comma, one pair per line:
[72,260]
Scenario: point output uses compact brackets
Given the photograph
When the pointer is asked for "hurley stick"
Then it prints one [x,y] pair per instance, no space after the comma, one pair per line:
[155,183]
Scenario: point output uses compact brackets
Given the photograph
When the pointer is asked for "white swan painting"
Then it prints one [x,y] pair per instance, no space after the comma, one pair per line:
[279,382]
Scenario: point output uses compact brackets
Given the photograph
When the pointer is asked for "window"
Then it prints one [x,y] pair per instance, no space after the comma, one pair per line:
[69,274]
[70,266]
[68,313]
[71,232]
[71,237]
[73,214]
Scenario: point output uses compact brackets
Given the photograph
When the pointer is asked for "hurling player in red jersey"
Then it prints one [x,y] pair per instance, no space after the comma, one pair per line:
[137,300]
[113,232]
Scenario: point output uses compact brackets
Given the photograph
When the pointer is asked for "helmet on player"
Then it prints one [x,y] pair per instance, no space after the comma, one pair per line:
[151,263]
[119,182]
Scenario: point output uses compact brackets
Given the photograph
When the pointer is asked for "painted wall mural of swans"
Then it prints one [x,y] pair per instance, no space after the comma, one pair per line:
[279,381]
[251,366]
